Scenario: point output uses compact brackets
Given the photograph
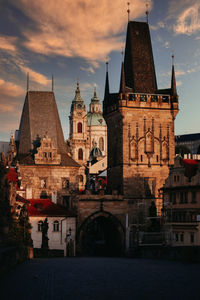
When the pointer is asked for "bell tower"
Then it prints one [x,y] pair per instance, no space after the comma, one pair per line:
[78,129]
[140,121]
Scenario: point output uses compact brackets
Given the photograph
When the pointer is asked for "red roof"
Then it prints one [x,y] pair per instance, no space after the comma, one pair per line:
[191,166]
[45,207]
[12,175]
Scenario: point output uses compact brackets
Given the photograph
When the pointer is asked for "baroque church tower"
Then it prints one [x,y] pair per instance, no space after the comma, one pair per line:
[140,121]
[79,143]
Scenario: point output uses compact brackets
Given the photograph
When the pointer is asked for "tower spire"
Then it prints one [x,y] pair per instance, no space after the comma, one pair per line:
[107,90]
[122,81]
[27,82]
[173,80]
[147,12]
[128,11]
[52,82]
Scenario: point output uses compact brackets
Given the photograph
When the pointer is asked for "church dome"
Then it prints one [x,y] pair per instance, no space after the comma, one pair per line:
[95,119]
[95,153]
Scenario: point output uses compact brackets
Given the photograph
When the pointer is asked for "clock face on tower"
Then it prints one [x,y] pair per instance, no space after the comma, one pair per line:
[79,114]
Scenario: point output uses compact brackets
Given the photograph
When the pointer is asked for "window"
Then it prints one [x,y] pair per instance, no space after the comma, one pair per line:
[55,226]
[186,197]
[174,198]
[45,154]
[174,178]
[40,223]
[194,197]
[65,183]
[182,237]
[141,158]
[79,127]
[156,158]
[192,237]
[181,197]
[176,237]
[80,154]
[81,178]
[101,144]
[50,154]
[43,183]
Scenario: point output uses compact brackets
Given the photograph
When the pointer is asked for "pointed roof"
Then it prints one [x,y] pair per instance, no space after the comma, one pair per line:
[173,80]
[95,98]
[107,90]
[77,97]
[139,63]
[40,116]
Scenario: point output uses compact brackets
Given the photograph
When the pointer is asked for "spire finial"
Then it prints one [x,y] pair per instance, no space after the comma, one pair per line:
[122,53]
[128,10]
[172,58]
[107,63]
[95,91]
[27,82]
[77,84]
[52,84]
[147,11]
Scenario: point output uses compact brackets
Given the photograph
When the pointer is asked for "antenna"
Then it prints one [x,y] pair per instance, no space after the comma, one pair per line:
[128,10]
[122,53]
[27,82]
[52,87]
[107,63]
[147,12]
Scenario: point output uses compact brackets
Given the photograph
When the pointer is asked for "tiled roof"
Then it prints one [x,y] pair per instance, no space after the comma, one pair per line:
[45,207]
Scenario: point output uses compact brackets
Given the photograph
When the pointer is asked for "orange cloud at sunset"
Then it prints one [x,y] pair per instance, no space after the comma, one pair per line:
[35,76]
[84,28]
[8,43]
[10,89]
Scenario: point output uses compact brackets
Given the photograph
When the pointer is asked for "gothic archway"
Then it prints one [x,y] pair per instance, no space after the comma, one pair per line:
[101,234]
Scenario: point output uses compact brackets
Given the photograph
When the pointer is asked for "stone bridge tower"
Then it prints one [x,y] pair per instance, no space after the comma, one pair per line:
[140,121]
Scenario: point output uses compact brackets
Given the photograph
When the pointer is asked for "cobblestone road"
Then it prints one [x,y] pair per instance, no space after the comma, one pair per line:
[101,278]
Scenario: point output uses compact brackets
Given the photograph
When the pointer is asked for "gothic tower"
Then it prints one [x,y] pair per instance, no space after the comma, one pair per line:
[140,121]
[78,129]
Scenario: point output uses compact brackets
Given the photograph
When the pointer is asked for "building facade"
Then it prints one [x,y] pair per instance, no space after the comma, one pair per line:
[181,203]
[44,168]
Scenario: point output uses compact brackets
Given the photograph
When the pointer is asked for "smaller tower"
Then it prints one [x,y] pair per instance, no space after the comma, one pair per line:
[78,129]
[97,129]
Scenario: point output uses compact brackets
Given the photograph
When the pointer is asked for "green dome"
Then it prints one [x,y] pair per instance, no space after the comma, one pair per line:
[95,153]
[95,119]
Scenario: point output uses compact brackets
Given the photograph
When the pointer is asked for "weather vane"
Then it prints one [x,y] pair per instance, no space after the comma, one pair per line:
[128,10]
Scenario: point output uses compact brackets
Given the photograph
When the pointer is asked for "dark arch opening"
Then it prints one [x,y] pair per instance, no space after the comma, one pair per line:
[101,235]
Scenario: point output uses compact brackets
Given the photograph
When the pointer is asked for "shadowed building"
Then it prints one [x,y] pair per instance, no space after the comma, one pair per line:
[140,129]
[45,168]
[140,121]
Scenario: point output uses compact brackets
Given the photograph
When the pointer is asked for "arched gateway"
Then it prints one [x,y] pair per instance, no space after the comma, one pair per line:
[101,234]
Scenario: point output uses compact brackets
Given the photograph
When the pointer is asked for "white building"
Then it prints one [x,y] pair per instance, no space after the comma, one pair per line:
[61,225]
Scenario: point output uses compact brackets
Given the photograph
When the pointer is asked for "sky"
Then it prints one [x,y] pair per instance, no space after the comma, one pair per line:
[73,39]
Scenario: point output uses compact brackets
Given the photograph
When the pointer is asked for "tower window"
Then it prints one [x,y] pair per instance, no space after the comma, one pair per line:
[80,154]
[81,178]
[141,158]
[79,127]
[40,223]
[101,144]
[157,158]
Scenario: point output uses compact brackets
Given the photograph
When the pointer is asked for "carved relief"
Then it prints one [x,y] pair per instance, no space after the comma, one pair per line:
[47,153]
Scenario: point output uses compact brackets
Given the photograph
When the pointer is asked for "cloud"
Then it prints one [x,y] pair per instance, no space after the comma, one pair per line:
[77,28]
[188,21]
[89,70]
[158,26]
[179,83]
[167,44]
[10,89]
[8,43]
[35,76]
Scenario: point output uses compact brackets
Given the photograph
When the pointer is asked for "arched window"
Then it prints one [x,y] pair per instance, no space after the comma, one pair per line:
[79,127]
[101,144]
[80,154]
[55,226]
[81,178]
[40,223]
